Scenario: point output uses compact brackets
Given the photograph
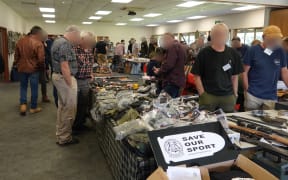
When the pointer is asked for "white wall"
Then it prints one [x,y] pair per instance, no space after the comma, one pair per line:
[115,33]
[234,21]
[13,22]
[10,19]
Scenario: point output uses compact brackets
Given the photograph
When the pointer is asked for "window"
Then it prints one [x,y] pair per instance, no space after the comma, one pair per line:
[247,36]
[259,33]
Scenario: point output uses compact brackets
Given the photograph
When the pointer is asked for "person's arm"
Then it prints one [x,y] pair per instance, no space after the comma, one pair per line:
[245,77]
[234,79]
[41,56]
[65,69]
[169,62]
[284,75]
[199,85]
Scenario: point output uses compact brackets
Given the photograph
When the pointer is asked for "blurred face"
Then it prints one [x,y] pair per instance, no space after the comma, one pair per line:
[87,42]
[219,36]
[75,37]
[167,41]
[272,42]
[236,44]
[200,42]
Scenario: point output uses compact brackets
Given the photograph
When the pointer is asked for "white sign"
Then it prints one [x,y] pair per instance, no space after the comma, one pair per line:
[192,145]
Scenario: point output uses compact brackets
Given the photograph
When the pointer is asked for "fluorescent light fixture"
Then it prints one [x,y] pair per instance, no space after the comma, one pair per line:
[121,24]
[50,21]
[152,25]
[196,17]
[190,4]
[50,10]
[246,8]
[174,21]
[136,19]
[152,15]
[48,15]
[95,17]
[103,12]
[121,1]
[87,22]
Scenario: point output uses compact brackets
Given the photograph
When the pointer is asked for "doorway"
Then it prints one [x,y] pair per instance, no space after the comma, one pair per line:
[4,67]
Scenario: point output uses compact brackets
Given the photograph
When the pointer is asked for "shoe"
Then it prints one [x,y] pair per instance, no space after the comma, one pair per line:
[45,99]
[72,142]
[23,109]
[36,110]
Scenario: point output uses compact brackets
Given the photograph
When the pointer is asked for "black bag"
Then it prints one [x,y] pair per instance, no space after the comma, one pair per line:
[14,76]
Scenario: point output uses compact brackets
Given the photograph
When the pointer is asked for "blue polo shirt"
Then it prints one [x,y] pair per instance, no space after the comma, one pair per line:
[265,71]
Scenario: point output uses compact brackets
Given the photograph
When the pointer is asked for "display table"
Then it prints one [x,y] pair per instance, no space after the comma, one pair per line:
[135,64]
[123,163]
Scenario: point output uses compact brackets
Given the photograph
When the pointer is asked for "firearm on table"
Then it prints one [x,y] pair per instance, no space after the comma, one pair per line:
[257,133]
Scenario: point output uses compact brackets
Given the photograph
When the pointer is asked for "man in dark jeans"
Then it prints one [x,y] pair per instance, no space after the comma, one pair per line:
[85,60]
[29,59]
[172,69]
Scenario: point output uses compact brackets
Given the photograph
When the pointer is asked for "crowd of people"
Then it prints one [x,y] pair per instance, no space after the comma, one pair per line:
[222,75]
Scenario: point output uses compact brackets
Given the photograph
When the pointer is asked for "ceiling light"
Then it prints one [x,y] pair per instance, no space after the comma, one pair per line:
[174,21]
[121,24]
[190,4]
[196,17]
[136,19]
[152,15]
[87,22]
[121,1]
[50,10]
[246,8]
[48,15]
[50,21]
[95,17]
[152,25]
[103,12]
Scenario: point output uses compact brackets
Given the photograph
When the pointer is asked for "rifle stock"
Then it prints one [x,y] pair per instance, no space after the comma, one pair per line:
[274,137]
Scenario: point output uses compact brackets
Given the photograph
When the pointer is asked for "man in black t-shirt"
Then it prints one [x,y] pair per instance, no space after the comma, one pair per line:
[101,50]
[216,72]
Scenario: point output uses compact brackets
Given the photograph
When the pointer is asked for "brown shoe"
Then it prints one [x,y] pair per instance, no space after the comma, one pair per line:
[23,109]
[36,110]
[72,142]
[45,99]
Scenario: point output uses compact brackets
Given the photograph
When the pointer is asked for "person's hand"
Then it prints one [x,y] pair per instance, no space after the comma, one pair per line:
[156,70]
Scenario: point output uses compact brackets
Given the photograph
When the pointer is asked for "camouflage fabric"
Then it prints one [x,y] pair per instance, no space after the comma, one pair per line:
[130,115]
[139,144]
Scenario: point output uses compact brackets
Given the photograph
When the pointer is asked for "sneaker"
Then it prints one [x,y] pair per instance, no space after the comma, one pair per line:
[36,110]
[72,142]
[23,109]
[45,99]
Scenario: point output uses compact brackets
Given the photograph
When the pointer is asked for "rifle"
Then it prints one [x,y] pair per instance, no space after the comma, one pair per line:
[276,125]
[273,137]
[256,125]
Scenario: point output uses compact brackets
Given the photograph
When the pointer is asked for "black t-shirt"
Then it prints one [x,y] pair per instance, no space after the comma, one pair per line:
[101,47]
[216,69]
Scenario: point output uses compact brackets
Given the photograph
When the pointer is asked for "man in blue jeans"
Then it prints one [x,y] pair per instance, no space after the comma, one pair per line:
[29,59]
[172,68]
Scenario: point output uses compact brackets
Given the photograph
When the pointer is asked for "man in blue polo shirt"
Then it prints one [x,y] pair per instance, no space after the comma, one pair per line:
[263,65]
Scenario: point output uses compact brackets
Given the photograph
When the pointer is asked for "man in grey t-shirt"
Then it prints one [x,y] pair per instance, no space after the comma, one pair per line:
[64,69]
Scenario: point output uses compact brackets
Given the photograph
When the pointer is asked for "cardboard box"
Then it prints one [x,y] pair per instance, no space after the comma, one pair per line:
[257,172]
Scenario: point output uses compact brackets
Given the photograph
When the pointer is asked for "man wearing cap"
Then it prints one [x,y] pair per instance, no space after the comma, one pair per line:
[263,64]
[64,70]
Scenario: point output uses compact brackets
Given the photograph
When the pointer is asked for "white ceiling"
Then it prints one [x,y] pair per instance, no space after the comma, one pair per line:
[77,11]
